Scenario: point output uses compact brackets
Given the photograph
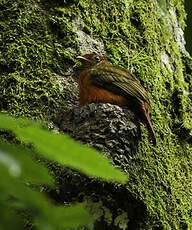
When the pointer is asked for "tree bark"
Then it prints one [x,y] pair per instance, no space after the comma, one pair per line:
[40,42]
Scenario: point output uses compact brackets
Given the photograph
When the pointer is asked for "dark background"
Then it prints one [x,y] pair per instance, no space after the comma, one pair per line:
[188,29]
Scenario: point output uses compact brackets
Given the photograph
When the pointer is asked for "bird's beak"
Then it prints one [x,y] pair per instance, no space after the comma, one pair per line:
[81,59]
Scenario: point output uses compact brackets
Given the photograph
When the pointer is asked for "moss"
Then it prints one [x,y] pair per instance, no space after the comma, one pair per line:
[31,55]
[38,42]
[139,34]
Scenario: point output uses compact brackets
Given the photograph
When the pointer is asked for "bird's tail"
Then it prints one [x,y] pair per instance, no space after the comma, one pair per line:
[151,130]
[146,119]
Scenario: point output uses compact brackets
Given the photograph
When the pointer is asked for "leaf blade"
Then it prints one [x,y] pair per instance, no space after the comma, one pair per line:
[63,149]
[66,151]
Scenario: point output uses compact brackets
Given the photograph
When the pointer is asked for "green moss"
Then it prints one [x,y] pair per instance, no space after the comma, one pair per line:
[134,37]
[38,42]
[31,55]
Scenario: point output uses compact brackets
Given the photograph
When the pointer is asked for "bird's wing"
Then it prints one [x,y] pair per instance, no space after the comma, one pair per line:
[119,81]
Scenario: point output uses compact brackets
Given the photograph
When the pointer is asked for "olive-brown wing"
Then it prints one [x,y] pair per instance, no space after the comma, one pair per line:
[119,81]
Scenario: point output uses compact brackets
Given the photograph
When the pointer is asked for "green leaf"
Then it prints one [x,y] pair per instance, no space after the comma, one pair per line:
[20,164]
[16,166]
[9,218]
[63,149]
[67,217]
[16,196]
[10,123]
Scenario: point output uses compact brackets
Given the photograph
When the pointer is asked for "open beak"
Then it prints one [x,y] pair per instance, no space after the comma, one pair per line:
[81,59]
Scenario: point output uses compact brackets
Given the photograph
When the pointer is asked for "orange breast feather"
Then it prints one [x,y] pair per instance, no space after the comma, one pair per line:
[90,93]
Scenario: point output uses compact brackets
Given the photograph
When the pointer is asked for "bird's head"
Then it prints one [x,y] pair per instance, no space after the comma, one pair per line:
[90,60]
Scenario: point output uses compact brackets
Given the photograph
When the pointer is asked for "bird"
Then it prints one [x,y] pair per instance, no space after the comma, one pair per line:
[101,82]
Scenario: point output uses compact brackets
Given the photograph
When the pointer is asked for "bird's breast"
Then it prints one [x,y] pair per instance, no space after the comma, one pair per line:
[90,93]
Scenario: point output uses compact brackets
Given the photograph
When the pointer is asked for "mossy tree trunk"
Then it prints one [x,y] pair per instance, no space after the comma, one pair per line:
[39,43]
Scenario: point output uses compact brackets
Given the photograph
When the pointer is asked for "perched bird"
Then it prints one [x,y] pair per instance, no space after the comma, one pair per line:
[101,82]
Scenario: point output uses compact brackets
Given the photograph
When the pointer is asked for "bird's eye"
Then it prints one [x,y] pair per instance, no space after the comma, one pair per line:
[97,58]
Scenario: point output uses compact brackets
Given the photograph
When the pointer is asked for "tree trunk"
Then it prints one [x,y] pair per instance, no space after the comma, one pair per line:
[40,40]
